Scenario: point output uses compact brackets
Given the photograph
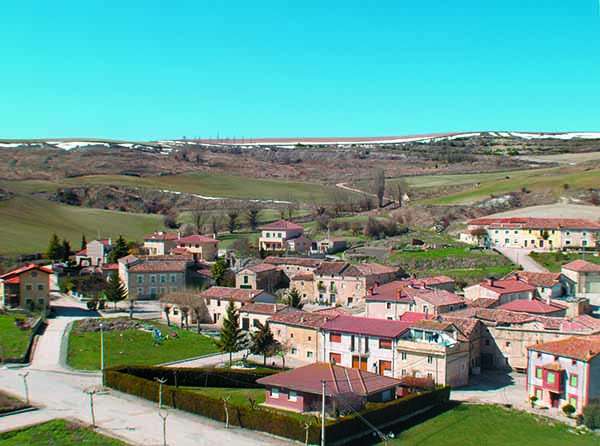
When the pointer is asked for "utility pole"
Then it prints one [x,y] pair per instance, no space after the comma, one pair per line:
[163,413]
[323,413]
[102,351]
[91,392]
[160,381]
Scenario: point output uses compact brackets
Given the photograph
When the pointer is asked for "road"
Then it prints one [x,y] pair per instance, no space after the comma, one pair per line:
[521,257]
[60,394]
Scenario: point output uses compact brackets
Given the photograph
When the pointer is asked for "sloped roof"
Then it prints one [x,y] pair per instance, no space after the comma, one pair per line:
[296,261]
[159,266]
[582,266]
[536,223]
[282,225]
[507,286]
[583,348]
[338,380]
[264,308]
[382,328]
[226,293]
[546,280]
[354,270]
[196,239]
[303,319]
[440,297]
[260,268]
[24,269]
[307,276]
[535,306]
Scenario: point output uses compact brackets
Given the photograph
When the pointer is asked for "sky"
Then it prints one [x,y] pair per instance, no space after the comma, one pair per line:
[148,70]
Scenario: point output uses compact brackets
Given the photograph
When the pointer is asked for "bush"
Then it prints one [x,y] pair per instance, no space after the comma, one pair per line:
[591,414]
[568,409]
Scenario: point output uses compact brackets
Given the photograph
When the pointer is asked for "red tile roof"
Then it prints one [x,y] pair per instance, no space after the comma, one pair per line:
[507,286]
[304,276]
[534,306]
[583,348]
[260,268]
[338,380]
[196,239]
[546,280]
[179,251]
[263,308]
[466,326]
[295,261]
[110,266]
[234,294]
[161,236]
[282,225]
[392,291]
[24,269]
[354,270]
[382,328]
[536,223]
[440,297]
[303,319]
[582,266]
[413,316]
[159,266]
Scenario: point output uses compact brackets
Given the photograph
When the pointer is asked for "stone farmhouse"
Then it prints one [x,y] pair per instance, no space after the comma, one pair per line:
[27,287]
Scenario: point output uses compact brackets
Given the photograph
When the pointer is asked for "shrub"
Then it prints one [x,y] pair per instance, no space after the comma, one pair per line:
[568,409]
[591,414]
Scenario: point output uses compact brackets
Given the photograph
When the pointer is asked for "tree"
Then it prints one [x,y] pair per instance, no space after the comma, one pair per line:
[252,213]
[218,270]
[399,190]
[188,301]
[294,299]
[170,219]
[215,223]
[568,409]
[591,414]
[379,186]
[199,219]
[232,217]
[65,250]
[167,311]
[83,241]
[232,336]
[54,249]
[115,289]
[120,249]
[262,342]
[282,349]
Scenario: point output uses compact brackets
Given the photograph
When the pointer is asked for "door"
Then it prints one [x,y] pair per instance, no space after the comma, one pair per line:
[385,368]
[245,324]
[359,363]
[335,358]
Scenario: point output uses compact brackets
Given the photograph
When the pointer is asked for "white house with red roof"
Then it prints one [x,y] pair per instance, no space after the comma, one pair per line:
[200,246]
[565,371]
[283,236]
[586,276]
[500,291]
[95,253]
[548,285]
[26,287]
[160,243]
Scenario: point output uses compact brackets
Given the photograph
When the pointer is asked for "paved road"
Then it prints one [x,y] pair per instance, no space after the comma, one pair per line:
[60,393]
[521,257]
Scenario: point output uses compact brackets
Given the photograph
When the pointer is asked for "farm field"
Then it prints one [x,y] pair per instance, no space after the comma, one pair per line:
[563,158]
[13,340]
[28,222]
[58,433]
[552,210]
[553,261]
[134,347]
[478,425]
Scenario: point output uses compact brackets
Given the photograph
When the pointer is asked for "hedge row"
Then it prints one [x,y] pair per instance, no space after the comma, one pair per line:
[140,381]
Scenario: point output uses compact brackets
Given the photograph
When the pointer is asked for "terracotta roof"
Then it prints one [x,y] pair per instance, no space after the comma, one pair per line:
[24,269]
[546,280]
[537,223]
[331,268]
[296,261]
[465,325]
[303,319]
[263,308]
[426,324]
[582,266]
[196,239]
[338,380]
[178,250]
[440,297]
[354,270]
[333,311]
[282,225]
[226,293]
[260,268]
[110,266]
[161,236]
[483,302]
[158,266]
[578,347]
[413,316]
[417,382]
[382,328]
[507,286]
[304,276]
[392,291]
[535,306]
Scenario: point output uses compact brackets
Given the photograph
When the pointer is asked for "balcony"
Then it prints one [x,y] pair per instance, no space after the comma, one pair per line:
[553,377]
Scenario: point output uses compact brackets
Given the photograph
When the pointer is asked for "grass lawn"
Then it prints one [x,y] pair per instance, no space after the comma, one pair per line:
[9,403]
[13,340]
[134,347]
[57,433]
[483,425]
[226,241]
[554,261]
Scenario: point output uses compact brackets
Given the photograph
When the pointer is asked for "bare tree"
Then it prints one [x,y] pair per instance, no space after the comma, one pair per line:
[216,220]
[232,219]
[379,186]
[399,190]
[188,301]
[199,218]
[252,213]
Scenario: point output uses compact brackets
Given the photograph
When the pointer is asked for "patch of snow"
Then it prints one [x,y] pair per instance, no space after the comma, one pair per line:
[76,144]
[492,134]
[563,136]
[11,145]
[504,134]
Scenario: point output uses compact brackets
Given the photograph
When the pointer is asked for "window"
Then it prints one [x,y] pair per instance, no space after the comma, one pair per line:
[173,278]
[429,359]
[33,273]
[309,355]
[255,323]
[40,287]
[28,287]
[294,350]
[140,291]
[508,343]
[573,380]
[403,372]
[335,337]
[390,318]
[153,292]
[274,392]
[350,300]
[388,305]
[539,355]
[385,344]
[538,373]
[429,375]
[292,395]
[335,358]
[163,278]
[310,338]
[551,377]
[162,290]
[152,279]
[539,393]
[573,401]
[140,279]
[403,355]
[245,280]
[291,335]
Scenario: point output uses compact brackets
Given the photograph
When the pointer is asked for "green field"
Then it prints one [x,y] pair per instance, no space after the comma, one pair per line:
[483,425]
[28,222]
[134,347]
[13,340]
[237,396]
[553,261]
[57,433]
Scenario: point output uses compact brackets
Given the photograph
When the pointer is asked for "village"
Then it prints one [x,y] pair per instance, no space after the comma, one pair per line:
[315,335]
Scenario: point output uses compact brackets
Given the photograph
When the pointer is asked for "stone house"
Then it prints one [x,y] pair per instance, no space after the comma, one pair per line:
[200,246]
[27,287]
[586,276]
[263,276]
[500,291]
[217,300]
[292,266]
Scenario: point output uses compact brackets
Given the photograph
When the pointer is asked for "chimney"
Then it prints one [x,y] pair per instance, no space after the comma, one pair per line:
[517,277]
[178,235]
[275,308]
[490,281]
[370,291]
[302,319]
[398,293]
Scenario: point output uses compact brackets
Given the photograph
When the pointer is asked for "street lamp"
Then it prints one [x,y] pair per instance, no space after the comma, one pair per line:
[102,351]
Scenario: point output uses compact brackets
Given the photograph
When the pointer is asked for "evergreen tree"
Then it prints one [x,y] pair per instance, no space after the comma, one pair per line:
[83,241]
[232,336]
[263,342]
[65,250]
[115,290]
[120,249]
[218,270]
[54,248]
[294,299]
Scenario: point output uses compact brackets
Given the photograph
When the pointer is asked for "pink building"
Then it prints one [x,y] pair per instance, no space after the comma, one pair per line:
[564,371]
[301,389]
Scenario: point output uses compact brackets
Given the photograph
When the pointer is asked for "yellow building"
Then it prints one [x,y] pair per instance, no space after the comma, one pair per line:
[27,287]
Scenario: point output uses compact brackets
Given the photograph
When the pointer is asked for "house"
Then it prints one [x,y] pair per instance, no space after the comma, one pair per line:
[202,247]
[27,287]
[160,243]
[500,291]
[393,299]
[217,300]
[533,233]
[283,236]
[347,284]
[301,389]
[299,332]
[535,306]
[548,285]
[473,332]
[292,266]
[586,276]
[507,334]
[565,371]
[149,277]
[304,283]
[171,301]
[95,253]
[432,349]
[263,276]
[253,315]
[329,245]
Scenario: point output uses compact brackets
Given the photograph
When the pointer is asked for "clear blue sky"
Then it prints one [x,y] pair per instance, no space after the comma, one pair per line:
[166,69]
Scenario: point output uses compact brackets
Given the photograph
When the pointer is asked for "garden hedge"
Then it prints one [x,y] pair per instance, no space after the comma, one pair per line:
[140,381]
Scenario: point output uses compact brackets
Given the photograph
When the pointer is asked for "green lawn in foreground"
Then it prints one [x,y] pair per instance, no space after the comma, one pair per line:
[553,261]
[238,397]
[13,340]
[57,433]
[134,347]
[486,425]
[28,222]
